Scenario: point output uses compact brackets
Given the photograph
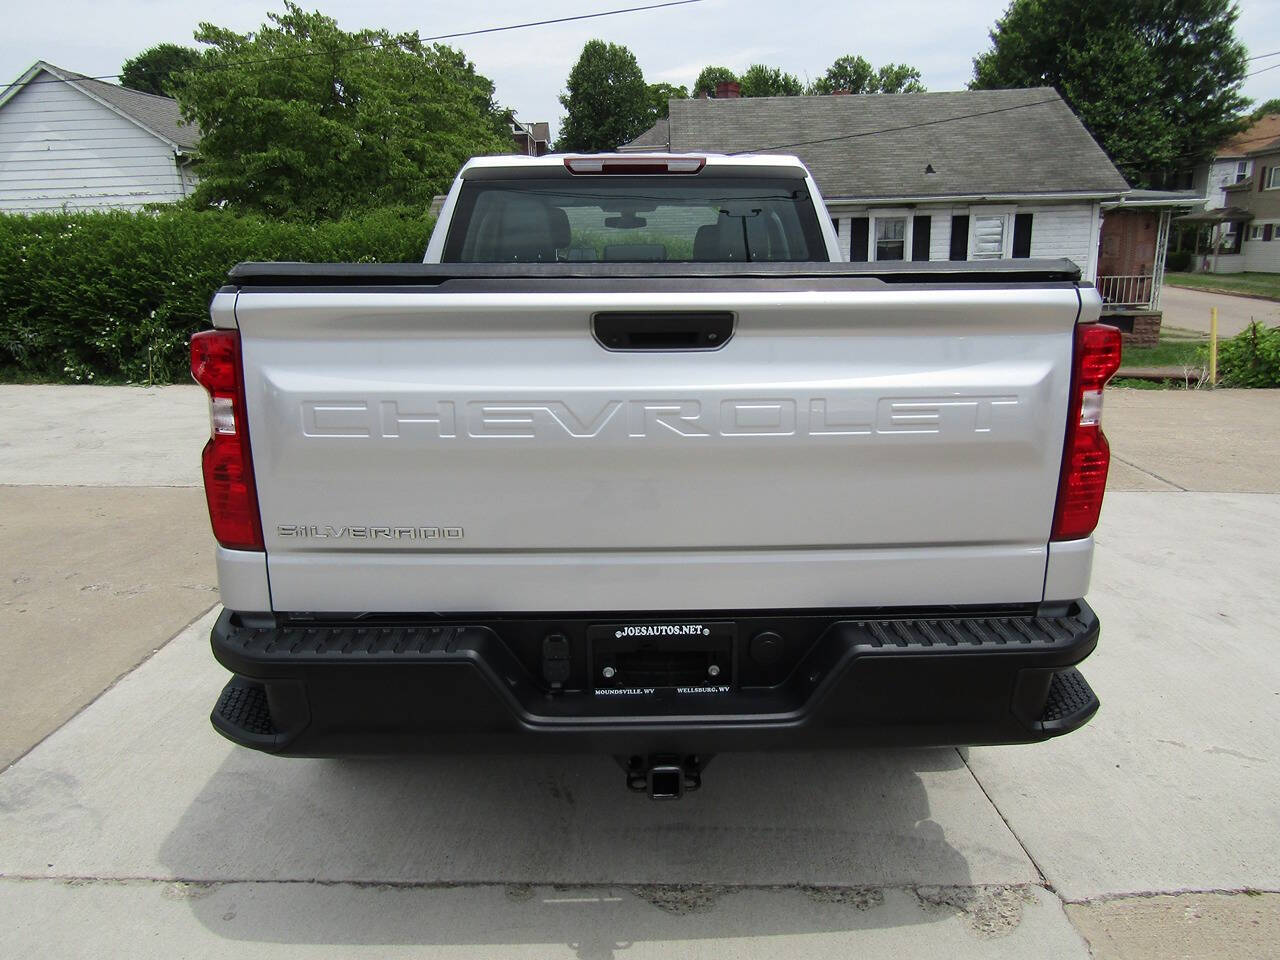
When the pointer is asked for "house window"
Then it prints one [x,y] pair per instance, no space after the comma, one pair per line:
[921,231]
[1022,224]
[1242,170]
[1255,232]
[858,239]
[891,238]
[959,237]
[1272,181]
[988,237]
[1230,240]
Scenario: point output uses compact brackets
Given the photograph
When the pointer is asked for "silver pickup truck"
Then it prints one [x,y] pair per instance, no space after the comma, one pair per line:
[632,464]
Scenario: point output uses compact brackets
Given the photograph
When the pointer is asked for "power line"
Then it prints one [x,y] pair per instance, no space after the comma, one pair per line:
[1274,66]
[1262,56]
[394,40]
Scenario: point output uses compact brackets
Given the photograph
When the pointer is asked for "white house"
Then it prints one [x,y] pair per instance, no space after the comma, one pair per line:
[964,175]
[74,143]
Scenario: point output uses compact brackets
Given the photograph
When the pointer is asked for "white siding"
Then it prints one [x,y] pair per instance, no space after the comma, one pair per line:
[61,149]
[1066,230]
[1226,263]
[1223,173]
[1058,229]
[939,232]
[1261,255]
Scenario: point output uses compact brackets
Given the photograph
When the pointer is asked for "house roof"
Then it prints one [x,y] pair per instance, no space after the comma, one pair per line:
[656,137]
[971,143]
[159,116]
[1217,215]
[1269,147]
[1258,137]
[1156,198]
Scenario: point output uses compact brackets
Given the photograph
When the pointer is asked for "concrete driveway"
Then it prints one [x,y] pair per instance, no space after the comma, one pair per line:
[133,829]
[1186,309]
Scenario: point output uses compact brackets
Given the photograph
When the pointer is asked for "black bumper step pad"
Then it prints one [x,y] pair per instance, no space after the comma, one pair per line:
[1071,701]
[244,706]
[243,714]
[973,632]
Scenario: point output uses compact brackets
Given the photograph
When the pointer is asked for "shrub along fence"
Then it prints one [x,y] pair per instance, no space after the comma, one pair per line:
[114,297]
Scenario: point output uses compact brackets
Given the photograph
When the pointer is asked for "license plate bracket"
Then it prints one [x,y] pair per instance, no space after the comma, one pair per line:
[694,658]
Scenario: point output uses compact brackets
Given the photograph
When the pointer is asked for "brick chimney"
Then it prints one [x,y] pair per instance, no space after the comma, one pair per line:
[728,90]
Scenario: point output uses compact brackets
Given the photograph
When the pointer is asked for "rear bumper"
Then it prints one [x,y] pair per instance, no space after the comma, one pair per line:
[359,687]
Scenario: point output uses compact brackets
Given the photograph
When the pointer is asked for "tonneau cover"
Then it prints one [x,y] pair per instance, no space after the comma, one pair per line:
[1004,272]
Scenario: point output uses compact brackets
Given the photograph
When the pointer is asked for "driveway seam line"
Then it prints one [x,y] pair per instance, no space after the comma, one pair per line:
[472,884]
[1044,881]
[1149,473]
[110,686]
[74,878]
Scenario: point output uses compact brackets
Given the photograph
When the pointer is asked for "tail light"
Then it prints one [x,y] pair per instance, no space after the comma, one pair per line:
[228,467]
[1085,454]
[634,164]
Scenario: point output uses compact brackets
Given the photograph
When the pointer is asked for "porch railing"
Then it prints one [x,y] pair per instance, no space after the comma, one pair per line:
[1131,291]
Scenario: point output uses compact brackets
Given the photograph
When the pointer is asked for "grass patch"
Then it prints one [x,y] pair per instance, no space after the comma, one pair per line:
[1266,285]
[1167,353]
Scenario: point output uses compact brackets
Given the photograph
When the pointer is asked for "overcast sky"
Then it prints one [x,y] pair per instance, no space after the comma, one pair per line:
[529,67]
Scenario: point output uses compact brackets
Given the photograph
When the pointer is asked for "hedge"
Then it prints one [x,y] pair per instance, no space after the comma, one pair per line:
[1251,358]
[114,297]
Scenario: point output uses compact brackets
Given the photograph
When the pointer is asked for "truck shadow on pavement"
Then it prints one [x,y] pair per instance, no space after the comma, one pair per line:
[537,838]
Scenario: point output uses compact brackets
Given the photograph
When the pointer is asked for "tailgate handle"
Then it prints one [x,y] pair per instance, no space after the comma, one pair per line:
[663,330]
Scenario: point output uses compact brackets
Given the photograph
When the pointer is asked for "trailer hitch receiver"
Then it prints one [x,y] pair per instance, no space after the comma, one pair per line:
[664,776]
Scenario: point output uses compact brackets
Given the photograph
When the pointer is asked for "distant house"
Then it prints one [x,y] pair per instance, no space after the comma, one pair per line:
[1262,239]
[1242,212]
[70,142]
[967,175]
[1232,162]
[531,139]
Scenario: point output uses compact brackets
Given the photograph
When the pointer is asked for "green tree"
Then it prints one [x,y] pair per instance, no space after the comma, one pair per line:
[1268,106]
[709,78]
[303,120]
[659,96]
[765,81]
[606,98]
[159,69]
[1156,82]
[898,78]
[854,74]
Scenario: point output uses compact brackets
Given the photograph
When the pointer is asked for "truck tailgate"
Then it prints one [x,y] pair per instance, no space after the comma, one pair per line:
[473,447]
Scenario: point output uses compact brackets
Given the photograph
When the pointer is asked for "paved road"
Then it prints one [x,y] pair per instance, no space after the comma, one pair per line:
[132,828]
[1186,309]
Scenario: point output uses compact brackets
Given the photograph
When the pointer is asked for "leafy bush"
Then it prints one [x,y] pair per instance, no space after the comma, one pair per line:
[1251,358]
[1178,260]
[116,296]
